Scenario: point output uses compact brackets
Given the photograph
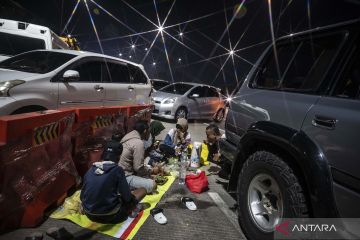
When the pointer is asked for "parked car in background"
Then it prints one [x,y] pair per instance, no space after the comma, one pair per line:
[18,37]
[189,100]
[292,131]
[158,83]
[42,79]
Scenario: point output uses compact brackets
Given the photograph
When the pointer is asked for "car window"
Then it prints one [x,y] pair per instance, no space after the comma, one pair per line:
[310,64]
[37,62]
[212,93]
[299,66]
[117,73]
[349,85]
[137,75]
[201,91]
[91,71]
[11,44]
[270,74]
[177,88]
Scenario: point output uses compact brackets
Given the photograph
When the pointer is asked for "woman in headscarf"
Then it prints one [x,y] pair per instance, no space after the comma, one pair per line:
[178,137]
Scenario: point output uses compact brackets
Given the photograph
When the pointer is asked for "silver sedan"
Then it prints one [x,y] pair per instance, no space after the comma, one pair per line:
[189,100]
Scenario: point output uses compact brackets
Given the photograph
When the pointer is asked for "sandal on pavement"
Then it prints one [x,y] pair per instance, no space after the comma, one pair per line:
[158,215]
[189,203]
[59,233]
[35,236]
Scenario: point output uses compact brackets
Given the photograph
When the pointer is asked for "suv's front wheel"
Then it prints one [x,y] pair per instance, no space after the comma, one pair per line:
[268,191]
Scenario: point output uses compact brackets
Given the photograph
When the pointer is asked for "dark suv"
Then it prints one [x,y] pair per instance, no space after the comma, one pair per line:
[293,131]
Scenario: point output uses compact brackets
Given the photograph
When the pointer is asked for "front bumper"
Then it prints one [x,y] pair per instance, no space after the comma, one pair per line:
[164,111]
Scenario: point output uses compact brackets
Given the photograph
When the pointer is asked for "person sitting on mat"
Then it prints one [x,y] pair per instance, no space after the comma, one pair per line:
[178,138]
[105,194]
[152,152]
[155,128]
[132,159]
[213,136]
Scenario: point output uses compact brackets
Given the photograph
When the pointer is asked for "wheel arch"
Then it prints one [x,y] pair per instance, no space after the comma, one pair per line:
[29,108]
[300,153]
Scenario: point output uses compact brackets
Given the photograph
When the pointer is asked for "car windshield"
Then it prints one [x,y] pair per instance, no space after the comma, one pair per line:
[177,88]
[37,61]
[159,84]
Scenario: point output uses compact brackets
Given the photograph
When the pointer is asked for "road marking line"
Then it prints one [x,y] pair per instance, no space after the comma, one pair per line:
[206,124]
[230,215]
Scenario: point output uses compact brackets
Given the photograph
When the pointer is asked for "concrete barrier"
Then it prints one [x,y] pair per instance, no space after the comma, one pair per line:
[36,166]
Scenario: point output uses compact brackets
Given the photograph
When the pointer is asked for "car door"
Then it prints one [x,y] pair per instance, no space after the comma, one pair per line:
[118,88]
[88,90]
[334,123]
[141,84]
[196,105]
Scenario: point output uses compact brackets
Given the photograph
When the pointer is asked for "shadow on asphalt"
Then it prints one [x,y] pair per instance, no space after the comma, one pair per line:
[190,120]
[176,204]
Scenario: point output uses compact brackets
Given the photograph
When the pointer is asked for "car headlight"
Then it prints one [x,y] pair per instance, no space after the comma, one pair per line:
[170,101]
[6,86]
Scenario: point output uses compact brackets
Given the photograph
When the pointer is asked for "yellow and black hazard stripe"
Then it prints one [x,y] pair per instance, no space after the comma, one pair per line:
[101,122]
[46,133]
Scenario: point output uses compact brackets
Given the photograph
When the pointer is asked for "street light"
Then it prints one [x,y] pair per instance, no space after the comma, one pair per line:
[133,46]
[154,63]
[181,34]
[146,49]
[161,28]
[179,60]
[130,56]
[231,52]
[120,54]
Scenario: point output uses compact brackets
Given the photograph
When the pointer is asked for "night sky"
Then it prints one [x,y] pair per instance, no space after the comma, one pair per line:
[211,29]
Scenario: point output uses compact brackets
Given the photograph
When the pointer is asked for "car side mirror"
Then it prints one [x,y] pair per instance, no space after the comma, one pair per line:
[71,76]
[195,95]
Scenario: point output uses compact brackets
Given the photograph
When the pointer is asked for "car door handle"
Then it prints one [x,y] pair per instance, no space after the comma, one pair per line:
[98,88]
[131,88]
[324,122]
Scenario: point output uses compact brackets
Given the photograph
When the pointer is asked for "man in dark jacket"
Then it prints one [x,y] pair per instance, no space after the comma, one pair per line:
[105,195]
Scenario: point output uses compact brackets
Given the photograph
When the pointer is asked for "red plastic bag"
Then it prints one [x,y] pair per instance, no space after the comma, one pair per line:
[197,183]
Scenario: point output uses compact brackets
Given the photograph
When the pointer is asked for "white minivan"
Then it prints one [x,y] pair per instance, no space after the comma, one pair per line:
[53,79]
[18,37]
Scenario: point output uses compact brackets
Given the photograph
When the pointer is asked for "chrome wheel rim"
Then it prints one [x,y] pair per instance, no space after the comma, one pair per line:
[265,202]
[181,114]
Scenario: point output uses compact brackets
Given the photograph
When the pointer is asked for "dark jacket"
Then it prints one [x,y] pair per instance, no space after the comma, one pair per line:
[105,189]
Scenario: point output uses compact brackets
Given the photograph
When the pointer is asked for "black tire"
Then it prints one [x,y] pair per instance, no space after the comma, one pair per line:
[292,198]
[219,116]
[179,113]
[28,109]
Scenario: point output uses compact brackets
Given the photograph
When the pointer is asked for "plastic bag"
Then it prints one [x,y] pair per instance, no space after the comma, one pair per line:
[204,155]
[197,183]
